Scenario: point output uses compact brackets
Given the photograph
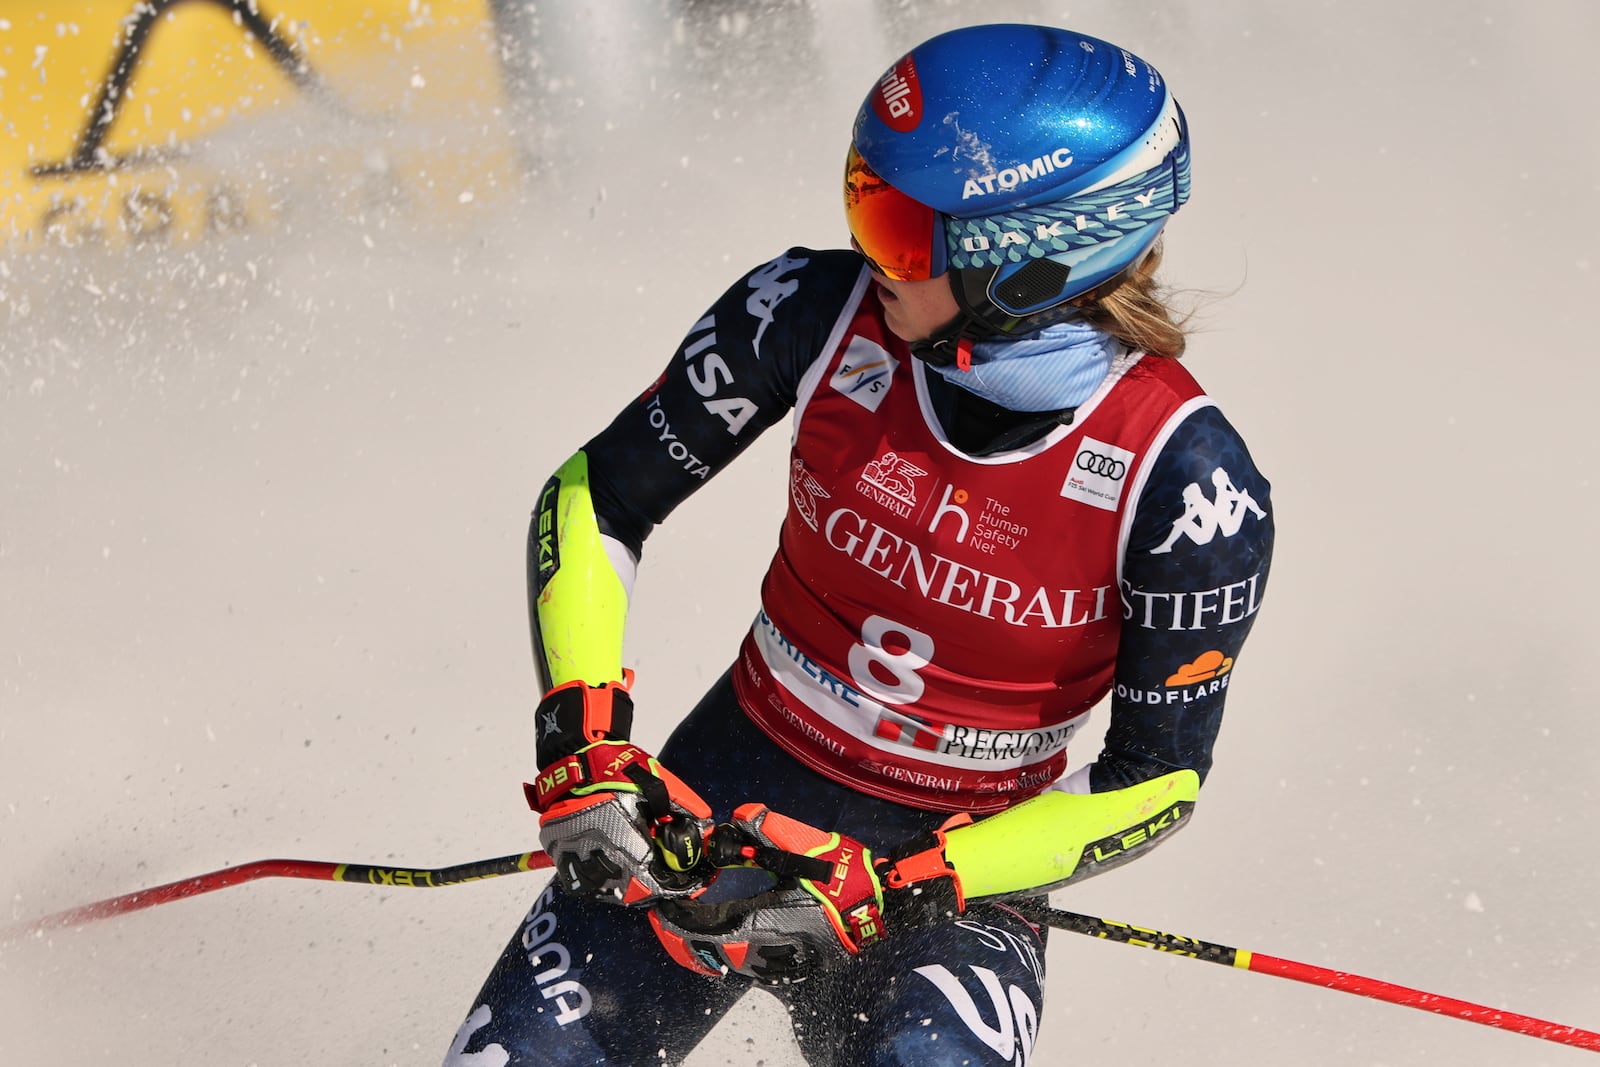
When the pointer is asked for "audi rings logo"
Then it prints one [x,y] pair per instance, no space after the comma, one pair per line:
[1097,474]
[1105,466]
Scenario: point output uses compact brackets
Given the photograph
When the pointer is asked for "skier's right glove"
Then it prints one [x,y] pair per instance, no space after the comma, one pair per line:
[618,826]
[827,906]
[833,899]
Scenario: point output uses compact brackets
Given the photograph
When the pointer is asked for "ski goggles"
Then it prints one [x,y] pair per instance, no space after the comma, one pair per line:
[900,238]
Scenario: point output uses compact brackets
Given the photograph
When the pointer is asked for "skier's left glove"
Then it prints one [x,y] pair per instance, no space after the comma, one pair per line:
[833,900]
[618,826]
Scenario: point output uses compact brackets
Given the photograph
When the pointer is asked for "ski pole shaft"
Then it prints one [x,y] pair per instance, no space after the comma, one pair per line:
[314,870]
[1105,929]
[1342,981]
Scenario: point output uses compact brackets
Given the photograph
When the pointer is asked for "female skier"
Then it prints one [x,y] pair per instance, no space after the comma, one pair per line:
[1007,501]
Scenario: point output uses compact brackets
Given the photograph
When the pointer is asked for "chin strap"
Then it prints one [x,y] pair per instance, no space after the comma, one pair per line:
[943,351]
[952,343]
[981,319]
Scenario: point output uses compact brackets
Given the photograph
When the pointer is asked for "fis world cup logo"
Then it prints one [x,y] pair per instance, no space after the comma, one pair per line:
[1099,474]
[865,373]
[898,99]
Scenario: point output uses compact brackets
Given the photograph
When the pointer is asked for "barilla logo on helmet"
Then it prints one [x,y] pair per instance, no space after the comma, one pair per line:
[898,99]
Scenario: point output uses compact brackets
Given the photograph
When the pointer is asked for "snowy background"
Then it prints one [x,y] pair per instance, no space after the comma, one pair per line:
[263,502]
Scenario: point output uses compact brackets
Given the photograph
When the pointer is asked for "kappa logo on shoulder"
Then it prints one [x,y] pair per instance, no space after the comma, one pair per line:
[1204,517]
[771,288]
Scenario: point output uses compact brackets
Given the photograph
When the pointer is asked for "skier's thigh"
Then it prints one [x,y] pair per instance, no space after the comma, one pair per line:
[963,994]
[584,983]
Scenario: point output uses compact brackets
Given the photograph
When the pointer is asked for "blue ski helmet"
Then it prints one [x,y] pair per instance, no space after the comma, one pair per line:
[1032,164]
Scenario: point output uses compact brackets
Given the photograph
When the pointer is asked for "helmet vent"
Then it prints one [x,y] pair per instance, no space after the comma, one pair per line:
[1040,282]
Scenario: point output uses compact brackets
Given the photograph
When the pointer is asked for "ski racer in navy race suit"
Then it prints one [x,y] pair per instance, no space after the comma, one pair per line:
[1007,501]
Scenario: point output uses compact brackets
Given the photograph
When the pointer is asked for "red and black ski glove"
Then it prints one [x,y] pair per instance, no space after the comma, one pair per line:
[833,899]
[618,826]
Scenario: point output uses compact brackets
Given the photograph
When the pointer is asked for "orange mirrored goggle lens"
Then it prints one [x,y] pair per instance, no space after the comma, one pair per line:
[895,233]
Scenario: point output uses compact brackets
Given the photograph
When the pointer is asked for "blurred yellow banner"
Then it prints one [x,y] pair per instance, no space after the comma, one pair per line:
[164,120]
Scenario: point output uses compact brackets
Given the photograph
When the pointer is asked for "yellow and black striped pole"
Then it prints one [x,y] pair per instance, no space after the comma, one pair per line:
[1033,911]
[1343,981]
[314,870]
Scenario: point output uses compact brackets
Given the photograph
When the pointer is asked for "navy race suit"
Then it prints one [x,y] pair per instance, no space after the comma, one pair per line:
[1179,526]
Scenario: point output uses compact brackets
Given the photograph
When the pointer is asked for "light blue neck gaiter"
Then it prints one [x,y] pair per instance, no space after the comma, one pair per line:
[1057,367]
